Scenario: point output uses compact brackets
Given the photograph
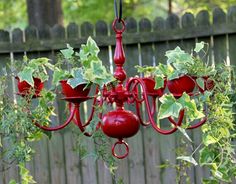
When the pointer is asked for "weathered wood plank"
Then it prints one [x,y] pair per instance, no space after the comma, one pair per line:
[5,59]
[31,35]
[136,160]
[101,28]
[89,167]
[202,19]
[168,142]
[44,146]
[17,37]
[72,31]
[150,137]
[72,160]
[159,24]
[56,144]
[188,45]
[174,34]
[231,18]
[220,44]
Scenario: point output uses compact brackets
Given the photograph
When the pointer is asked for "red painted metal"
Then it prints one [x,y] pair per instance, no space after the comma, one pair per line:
[208,84]
[72,112]
[120,142]
[121,123]
[24,88]
[183,84]
[79,91]
[149,111]
[150,84]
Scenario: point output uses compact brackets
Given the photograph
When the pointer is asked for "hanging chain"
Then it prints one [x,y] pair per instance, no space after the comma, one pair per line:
[118,15]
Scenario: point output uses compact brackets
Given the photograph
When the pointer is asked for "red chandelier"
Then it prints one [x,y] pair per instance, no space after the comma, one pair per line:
[121,123]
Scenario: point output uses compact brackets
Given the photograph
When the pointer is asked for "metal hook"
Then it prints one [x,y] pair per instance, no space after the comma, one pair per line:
[118,16]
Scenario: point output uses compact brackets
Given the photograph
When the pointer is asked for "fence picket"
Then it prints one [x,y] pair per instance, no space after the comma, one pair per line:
[89,168]
[101,29]
[220,43]
[188,45]
[150,137]
[4,61]
[135,160]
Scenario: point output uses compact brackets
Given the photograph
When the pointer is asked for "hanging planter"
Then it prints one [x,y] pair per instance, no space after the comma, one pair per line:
[183,84]
[150,87]
[32,75]
[25,88]
[81,90]
[208,84]
[76,82]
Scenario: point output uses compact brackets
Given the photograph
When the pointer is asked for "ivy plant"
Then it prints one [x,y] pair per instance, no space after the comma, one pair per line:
[180,63]
[170,106]
[33,68]
[87,68]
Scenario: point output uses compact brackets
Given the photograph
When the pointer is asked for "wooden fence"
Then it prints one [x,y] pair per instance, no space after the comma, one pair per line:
[145,43]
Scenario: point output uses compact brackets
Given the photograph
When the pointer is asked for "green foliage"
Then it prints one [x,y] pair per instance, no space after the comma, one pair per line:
[90,71]
[25,177]
[34,68]
[179,63]
[103,9]
[217,149]
[17,130]
[13,14]
[170,106]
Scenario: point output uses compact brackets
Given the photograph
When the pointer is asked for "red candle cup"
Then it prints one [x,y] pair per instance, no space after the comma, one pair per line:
[24,88]
[150,85]
[183,84]
[79,91]
[208,84]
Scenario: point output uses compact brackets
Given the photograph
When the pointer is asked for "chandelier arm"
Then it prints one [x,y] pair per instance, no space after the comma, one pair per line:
[77,121]
[136,93]
[93,108]
[152,121]
[72,112]
[137,104]
[200,123]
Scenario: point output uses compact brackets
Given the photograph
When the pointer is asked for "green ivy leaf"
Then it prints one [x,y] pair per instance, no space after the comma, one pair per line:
[169,107]
[190,106]
[90,49]
[59,75]
[207,140]
[218,174]
[27,75]
[183,131]
[201,83]
[210,181]
[12,182]
[25,177]
[67,53]
[78,78]
[178,56]
[206,156]
[159,82]
[199,47]
[174,75]
[189,159]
